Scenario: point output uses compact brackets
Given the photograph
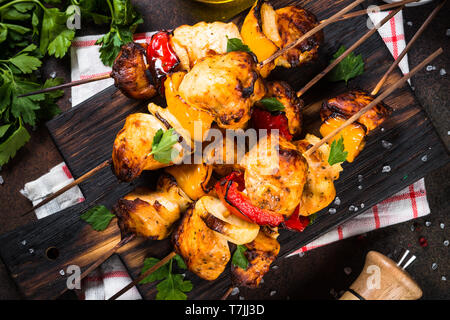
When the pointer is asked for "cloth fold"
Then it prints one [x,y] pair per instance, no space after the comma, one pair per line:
[408,204]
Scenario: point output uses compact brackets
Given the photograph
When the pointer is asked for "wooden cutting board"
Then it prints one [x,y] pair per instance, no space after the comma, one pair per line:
[37,255]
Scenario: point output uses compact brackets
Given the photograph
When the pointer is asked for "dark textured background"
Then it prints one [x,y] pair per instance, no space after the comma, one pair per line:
[320,273]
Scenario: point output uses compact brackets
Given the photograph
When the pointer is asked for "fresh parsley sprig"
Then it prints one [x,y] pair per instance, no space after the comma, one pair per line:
[337,153]
[239,259]
[98,217]
[271,104]
[350,67]
[236,44]
[162,145]
[172,285]
[124,22]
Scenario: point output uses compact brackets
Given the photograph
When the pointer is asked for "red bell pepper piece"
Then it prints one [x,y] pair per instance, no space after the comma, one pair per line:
[296,222]
[263,119]
[161,57]
[229,190]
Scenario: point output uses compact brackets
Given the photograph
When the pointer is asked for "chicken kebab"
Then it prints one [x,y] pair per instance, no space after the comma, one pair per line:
[264,31]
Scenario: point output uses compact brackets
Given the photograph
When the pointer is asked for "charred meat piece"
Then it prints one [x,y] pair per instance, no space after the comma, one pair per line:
[129,72]
[205,251]
[275,173]
[151,214]
[133,144]
[225,85]
[260,253]
[293,22]
[349,103]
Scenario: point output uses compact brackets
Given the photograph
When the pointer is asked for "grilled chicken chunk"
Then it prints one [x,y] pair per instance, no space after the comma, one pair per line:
[349,103]
[129,72]
[293,22]
[133,144]
[151,214]
[205,251]
[275,173]
[192,43]
[225,85]
[260,253]
[319,190]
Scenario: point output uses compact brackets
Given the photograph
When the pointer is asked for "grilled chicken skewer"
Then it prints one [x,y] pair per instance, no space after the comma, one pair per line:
[211,38]
[174,99]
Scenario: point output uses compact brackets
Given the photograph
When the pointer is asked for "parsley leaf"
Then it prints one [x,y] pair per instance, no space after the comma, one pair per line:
[124,22]
[162,144]
[55,37]
[239,259]
[350,67]
[236,44]
[172,286]
[337,153]
[271,104]
[14,142]
[98,217]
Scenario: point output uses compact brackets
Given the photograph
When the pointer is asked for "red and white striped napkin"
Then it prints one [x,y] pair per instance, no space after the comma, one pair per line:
[408,204]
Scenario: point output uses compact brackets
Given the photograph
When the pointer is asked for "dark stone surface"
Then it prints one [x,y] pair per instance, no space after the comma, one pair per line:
[320,271]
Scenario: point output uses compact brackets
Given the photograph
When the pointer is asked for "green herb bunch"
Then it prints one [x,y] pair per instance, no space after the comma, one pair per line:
[30,30]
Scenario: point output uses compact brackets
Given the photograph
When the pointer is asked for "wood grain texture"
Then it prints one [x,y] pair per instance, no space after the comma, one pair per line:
[86,133]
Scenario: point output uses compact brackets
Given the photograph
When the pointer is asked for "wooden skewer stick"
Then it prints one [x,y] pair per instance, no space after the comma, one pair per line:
[346,53]
[377,100]
[314,30]
[66,85]
[108,254]
[70,185]
[408,46]
[144,275]
[365,11]
[227,293]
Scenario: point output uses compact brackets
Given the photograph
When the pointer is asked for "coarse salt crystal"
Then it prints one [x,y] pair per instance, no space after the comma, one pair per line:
[409,23]
[360,187]
[272,293]
[337,201]
[442,72]
[360,178]
[442,225]
[332,210]
[24,242]
[447,33]
[275,267]
[362,205]
[353,208]
[31,250]
[424,158]
[241,298]
[429,68]
[446,243]
[1,180]
[434,266]
[386,169]
[444,278]
[386,144]
[427,223]
[347,270]
[52,74]
[235,291]
[61,272]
